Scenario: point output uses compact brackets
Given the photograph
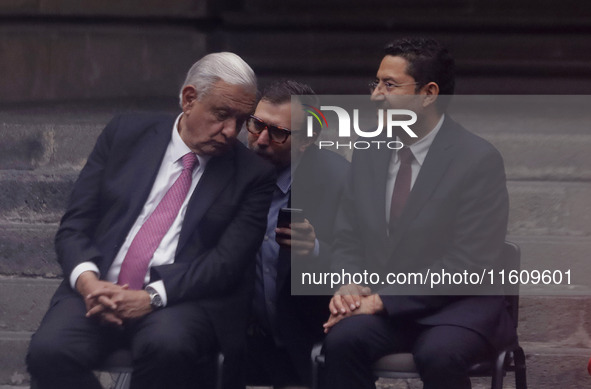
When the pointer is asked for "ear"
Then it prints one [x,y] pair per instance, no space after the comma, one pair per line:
[190,95]
[430,91]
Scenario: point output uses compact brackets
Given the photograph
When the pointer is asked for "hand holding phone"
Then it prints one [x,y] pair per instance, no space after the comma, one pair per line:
[301,239]
[288,216]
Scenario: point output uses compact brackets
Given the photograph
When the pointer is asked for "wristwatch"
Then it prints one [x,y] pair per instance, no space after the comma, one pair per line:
[155,299]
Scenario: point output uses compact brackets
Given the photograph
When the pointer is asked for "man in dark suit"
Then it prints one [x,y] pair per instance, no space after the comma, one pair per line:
[157,245]
[439,203]
[285,327]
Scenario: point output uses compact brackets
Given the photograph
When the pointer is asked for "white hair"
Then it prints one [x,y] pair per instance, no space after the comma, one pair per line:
[224,66]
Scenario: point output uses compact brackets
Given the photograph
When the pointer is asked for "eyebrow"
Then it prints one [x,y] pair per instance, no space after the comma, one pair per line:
[231,111]
[272,124]
[386,79]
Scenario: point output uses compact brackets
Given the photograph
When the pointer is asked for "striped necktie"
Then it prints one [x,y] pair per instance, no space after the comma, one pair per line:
[144,244]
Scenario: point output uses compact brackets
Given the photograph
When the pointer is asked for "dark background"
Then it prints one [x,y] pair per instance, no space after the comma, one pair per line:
[139,50]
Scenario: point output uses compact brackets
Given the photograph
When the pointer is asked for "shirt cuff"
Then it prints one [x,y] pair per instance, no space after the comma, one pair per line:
[159,287]
[316,251]
[81,268]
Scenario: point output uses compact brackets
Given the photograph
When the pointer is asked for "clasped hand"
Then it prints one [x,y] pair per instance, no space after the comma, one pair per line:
[352,300]
[111,303]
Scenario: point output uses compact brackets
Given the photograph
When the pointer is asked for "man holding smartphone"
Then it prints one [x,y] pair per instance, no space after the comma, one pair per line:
[285,327]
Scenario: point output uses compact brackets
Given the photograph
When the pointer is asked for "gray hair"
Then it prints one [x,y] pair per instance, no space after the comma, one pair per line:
[224,66]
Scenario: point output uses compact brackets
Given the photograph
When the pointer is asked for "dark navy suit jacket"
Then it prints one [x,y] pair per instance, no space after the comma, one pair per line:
[455,219]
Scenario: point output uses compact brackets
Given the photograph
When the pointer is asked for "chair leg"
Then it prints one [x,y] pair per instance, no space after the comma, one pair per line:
[499,371]
[315,356]
[520,369]
[219,371]
[123,381]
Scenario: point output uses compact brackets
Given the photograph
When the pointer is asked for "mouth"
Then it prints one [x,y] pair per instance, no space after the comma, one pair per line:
[382,104]
[263,154]
[220,144]
[219,147]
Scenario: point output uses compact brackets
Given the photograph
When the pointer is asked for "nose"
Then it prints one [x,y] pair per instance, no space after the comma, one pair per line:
[229,129]
[377,94]
[263,139]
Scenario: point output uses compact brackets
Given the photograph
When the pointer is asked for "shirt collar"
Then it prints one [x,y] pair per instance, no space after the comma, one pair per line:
[179,148]
[420,148]
[284,180]
[285,176]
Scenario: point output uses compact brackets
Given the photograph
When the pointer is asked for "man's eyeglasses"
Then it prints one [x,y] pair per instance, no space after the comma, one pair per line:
[390,86]
[277,134]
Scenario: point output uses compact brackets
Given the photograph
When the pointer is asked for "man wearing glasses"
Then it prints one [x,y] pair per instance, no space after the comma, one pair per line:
[439,203]
[285,327]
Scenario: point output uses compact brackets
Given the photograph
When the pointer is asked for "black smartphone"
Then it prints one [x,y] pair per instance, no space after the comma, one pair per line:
[289,215]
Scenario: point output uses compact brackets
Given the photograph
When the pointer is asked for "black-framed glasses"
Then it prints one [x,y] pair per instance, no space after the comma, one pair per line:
[389,85]
[277,134]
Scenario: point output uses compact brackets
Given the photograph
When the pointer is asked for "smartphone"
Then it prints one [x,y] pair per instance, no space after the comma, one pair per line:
[289,215]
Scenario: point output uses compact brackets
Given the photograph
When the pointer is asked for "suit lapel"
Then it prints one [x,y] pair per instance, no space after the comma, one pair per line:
[218,172]
[141,173]
[147,163]
[436,163]
[380,160]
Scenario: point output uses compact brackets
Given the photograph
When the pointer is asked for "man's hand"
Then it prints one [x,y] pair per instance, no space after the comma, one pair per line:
[300,237]
[347,299]
[128,304]
[369,305]
[111,303]
[87,285]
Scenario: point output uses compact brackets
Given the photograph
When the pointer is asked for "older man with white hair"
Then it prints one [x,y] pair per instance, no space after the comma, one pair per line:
[158,242]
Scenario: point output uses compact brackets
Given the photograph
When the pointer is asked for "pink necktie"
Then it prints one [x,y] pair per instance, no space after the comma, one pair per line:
[142,248]
[402,184]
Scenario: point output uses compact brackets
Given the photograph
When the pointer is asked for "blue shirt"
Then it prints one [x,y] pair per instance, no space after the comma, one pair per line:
[265,300]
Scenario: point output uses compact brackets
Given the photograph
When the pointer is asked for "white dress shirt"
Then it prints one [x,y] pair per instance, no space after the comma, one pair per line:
[170,170]
[419,151]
